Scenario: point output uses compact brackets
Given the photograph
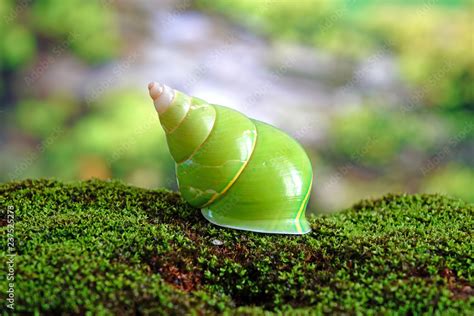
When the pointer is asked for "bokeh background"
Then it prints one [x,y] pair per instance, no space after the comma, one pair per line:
[380,93]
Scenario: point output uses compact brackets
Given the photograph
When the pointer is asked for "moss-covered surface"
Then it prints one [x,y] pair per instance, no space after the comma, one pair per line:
[107,247]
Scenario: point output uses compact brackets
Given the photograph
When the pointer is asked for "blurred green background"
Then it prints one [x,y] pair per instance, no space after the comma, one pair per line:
[380,93]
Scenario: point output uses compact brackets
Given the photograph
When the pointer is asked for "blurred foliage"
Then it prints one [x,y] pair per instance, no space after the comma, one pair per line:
[372,136]
[76,25]
[83,24]
[397,152]
[452,178]
[434,46]
[40,117]
[432,42]
[19,46]
[114,135]
[120,136]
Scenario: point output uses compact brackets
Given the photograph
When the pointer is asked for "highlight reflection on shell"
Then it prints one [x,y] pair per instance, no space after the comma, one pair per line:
[241,173]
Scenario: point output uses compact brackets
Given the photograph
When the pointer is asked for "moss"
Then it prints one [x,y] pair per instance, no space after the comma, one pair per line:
[109,248]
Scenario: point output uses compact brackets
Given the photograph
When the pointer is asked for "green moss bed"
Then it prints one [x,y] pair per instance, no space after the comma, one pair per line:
[100,247]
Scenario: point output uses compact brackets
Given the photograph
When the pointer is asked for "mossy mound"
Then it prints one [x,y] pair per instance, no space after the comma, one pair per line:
[109,248]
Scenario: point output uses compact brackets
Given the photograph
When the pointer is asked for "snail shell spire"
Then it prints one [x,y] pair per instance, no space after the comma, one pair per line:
[162,96]
[240,172]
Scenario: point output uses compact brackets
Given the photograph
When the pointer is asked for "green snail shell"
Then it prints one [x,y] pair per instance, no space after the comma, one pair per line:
[241,173]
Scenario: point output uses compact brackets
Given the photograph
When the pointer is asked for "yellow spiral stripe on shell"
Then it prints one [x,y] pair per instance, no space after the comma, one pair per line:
[237,175]
[302,207]
[191,132]
[179,123]
[205,140]
[177,98]
[191,106]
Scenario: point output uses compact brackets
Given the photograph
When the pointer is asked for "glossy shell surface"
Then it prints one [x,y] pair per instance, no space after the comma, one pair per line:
[241,173]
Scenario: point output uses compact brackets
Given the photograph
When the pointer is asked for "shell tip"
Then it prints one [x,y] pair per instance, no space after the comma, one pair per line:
[162,96]
[155,89]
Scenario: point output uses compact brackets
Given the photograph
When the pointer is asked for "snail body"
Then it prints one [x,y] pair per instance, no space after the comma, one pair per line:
[241,173]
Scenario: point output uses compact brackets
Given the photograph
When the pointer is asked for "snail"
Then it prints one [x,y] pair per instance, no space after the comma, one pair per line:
[242,173]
